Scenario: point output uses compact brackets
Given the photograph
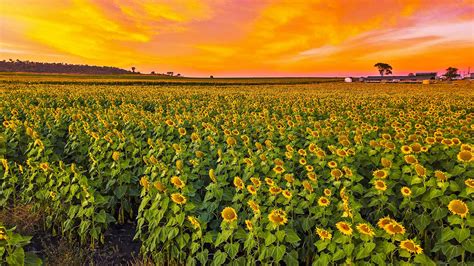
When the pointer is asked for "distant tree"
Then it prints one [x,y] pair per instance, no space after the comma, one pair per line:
[152,72]
[211,77]
[133,69]
[384,68]
[411,75]
[451,72]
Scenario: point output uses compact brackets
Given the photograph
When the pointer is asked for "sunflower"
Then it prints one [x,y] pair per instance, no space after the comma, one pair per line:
[384,221]
[212,175]
[254,206]
[465,156]
[44,166]
[312,176]
[430,140]
[410,159]
[309,168]
[144,182]
[469,182]
[406,149]
[116,155]
[441,176]
[229,215]
[386,162]
[416,147]
[323,234]
[269,181]
[323,201]
[238,183]
[251,189]
[380,185]
[279,169]
[287,194]
[256,182]
[406,191]
[179,165]
[420,170]
[308,186]
[289,178]
[332,164]
[158,185]
[182,131]
[249,225]
[178,198]
[231,141]
[394,228]
[411,246]
[274,190]
[177,182]
[458,207]
[381,174]
[344,228]
[336,173]
[302,161]
[278,217]
[365,229]
[194,222]
[302,152]
[327,192]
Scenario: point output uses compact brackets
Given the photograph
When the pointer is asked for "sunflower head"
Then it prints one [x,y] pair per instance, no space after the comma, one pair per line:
[365,229]
[344,228]
[178,198]
[274,190]
[381,174]
[410,159]
[411,246]
[458,207]
[194,222]
[327,192]
[323,201]
[254,206]
[251,189]
[229,215]
[469,182]
[323,234]
[238,183]
[465,156]
[406,191]
[384,221]
[380,185]
[249,225]
[394,228]
[287,194]
[177,182]
[277,217]
[307,186]
[279,169]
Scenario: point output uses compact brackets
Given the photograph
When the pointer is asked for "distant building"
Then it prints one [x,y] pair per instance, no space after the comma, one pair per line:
[471,76]
[170,73]
[349,79]
[417,78]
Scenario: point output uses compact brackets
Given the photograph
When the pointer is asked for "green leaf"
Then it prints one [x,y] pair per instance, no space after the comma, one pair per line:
[172,233]
[270,239]
[321,244]
[101,217]
[378,259]
[231,249]
[439,213]
[422,221]
[280,235]
[203,256]
[17,257]
[279,253]
[422,259]
[365,250]
[452,251]
[468,245]
[338,255]
[292,237]
[446,235]
[461,234]
[219,258]
[348,248]
[323,260]
[291,258]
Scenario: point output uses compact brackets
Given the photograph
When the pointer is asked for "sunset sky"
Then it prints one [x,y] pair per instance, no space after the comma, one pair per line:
[242,38]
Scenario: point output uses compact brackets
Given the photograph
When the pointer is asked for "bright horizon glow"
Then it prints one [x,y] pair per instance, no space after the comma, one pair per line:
[243,38]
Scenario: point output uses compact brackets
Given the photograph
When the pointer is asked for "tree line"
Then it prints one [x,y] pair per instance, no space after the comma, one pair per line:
[61,68]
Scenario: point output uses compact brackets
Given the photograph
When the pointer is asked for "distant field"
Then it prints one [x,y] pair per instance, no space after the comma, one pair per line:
[233,172]
[149,79]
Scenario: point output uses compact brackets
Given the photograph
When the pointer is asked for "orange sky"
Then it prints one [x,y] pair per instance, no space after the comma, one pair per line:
[242,38]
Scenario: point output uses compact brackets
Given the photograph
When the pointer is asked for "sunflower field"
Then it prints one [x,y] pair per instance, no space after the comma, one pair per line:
[294,174]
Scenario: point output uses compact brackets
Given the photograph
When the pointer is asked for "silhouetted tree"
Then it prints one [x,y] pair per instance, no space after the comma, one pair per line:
[384,68]
[451,72]
[39,67]
[133,69]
